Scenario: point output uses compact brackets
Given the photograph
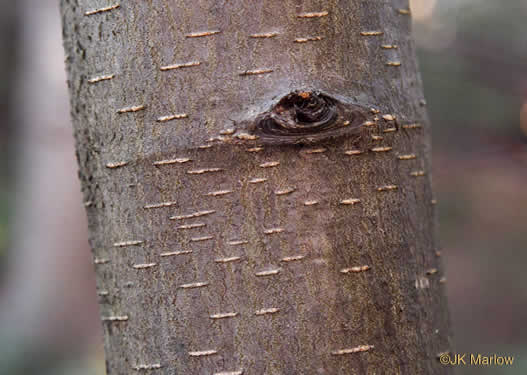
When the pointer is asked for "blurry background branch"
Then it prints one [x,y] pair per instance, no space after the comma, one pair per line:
[48,309]
[8,42]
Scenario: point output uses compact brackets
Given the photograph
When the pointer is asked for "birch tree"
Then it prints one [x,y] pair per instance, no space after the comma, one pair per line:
[257,182]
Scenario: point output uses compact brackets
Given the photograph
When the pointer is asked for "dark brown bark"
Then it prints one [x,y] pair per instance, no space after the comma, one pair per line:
[219,246]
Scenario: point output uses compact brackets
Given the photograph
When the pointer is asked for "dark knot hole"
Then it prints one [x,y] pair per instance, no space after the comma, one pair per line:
[306,107]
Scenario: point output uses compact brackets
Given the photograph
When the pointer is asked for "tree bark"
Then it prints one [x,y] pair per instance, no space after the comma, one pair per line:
[256,177]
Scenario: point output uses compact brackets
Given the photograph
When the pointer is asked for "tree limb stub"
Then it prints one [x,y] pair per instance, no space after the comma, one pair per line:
[304,117]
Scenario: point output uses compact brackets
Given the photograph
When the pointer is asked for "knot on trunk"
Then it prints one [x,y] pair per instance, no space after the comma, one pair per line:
[307,117]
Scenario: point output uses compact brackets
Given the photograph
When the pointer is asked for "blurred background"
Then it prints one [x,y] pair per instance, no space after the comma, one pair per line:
[473,58]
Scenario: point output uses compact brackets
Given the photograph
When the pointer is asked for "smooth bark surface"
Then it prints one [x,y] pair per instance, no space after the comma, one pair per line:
[237,229]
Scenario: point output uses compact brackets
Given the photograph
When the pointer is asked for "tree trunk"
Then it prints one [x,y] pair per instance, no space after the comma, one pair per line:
[256,177]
